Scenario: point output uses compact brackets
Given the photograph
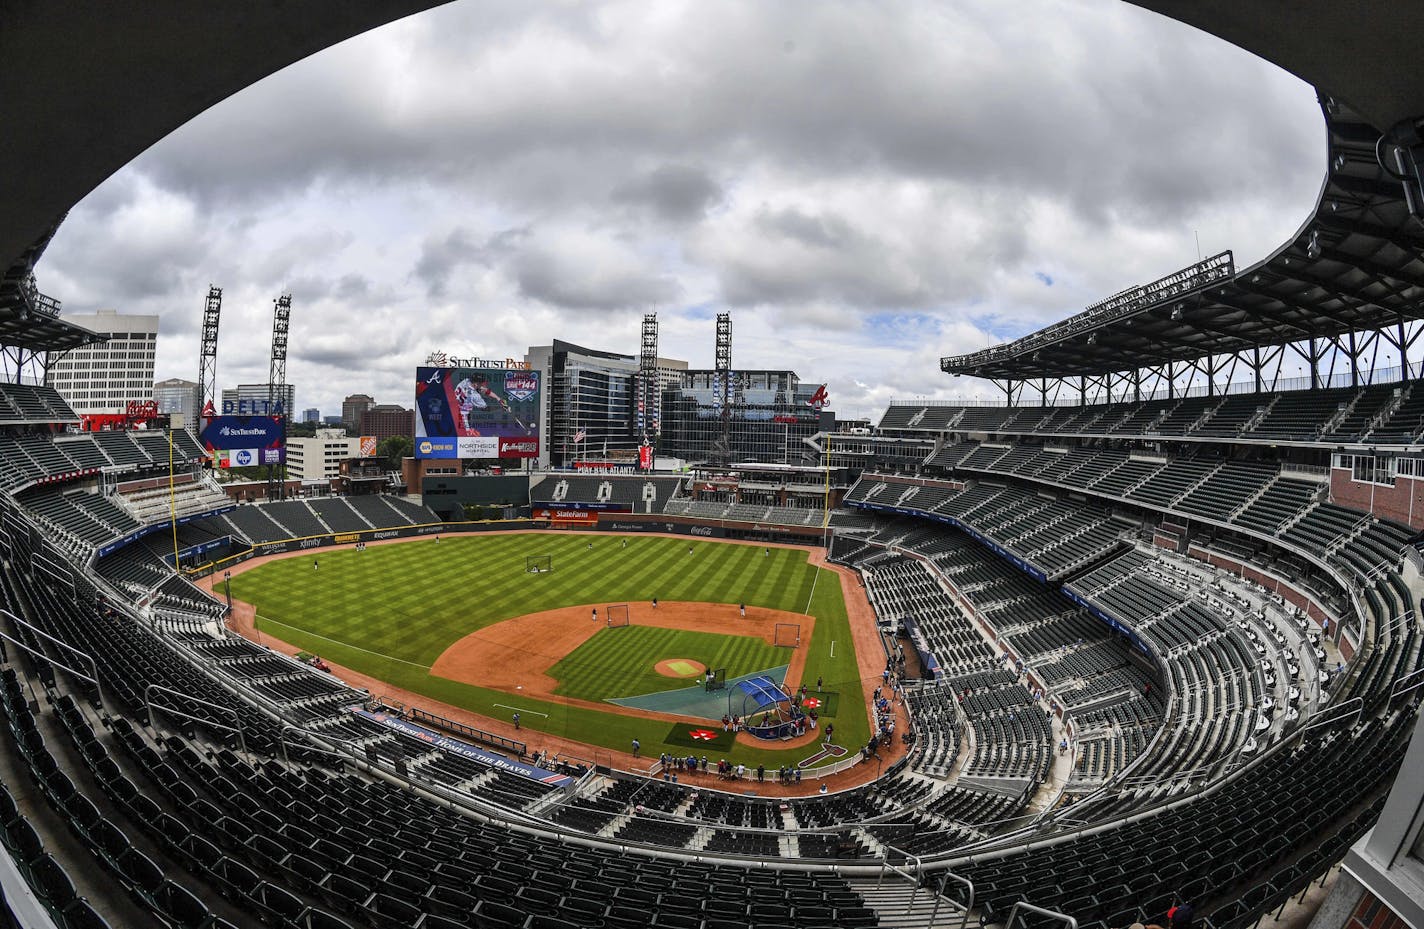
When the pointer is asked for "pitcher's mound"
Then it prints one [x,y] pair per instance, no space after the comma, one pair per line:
[679,667]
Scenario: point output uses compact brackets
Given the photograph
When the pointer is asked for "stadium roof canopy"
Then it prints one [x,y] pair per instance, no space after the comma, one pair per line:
[91,87]
[37,332]
[1357,264]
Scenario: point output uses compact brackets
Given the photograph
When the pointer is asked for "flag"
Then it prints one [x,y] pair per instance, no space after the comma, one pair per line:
[580,435]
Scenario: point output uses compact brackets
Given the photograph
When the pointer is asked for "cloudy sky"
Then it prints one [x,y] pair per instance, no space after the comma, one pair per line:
[865,186]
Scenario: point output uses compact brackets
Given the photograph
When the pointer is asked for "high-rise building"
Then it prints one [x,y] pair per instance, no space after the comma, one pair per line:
[333,419]
[352,408]
[771,414]
[589,395]
[182,400]
[106,376]
[311,415]
[319,458]
[387,419]
[251,400]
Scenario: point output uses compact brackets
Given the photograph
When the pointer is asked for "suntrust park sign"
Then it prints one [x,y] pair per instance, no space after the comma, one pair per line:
[442,360]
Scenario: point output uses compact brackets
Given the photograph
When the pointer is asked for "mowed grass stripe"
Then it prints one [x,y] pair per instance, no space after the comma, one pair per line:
[620,662]
[413,600]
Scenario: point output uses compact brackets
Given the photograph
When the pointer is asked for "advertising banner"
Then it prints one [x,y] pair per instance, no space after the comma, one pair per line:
[560,515]
[476,413]
[465,750]
[240,441]
[368,446]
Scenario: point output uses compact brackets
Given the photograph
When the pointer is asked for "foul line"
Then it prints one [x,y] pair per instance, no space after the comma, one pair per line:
[314,635]
[812,594]
[520,709]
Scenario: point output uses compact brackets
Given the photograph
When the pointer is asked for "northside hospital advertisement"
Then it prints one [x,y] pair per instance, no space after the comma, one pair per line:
[476,413]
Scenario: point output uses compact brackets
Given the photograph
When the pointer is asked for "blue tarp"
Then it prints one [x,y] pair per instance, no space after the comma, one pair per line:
[764,691]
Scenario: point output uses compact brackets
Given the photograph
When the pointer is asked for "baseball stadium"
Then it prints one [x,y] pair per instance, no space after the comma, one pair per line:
[621,642]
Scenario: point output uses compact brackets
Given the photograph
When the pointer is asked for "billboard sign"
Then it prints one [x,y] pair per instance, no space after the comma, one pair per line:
[476,413]
[368,446]
[241,441]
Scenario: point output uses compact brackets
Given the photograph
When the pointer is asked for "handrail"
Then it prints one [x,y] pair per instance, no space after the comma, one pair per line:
[92,677]
[968,903]
[1332,715]
[306,745]
[1063,918]
[59,664]
[1399,689]
[914,879]
[182,714]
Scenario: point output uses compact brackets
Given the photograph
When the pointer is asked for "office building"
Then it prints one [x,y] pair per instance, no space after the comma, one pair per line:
[181,400]
[387,419]
[107,376]
[588,407]
[770,415]
[352,408]
[320,457]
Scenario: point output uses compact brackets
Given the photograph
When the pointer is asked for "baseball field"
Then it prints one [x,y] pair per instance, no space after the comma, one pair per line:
[461,620]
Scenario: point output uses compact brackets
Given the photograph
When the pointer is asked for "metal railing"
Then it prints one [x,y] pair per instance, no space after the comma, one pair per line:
[93,675]
[1018,913]
[184,714]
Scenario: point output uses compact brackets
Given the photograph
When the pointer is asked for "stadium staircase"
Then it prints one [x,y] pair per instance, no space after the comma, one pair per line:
[900,904]
[392,507]
[289,534]
[315,515]
[1255,495]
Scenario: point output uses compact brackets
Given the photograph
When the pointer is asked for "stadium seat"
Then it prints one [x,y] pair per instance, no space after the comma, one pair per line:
[495,915]
[181,906]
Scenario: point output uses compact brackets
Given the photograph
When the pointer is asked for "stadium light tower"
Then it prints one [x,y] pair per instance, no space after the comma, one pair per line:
[276,386]
[649,393]
[724,387]
[208,352]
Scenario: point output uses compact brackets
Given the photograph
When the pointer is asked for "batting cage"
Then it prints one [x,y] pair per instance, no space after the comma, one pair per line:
[768,711]
[788,635]
[538,564]
[617,615]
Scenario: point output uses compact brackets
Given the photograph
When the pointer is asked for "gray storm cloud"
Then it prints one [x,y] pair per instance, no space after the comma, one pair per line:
[500,174]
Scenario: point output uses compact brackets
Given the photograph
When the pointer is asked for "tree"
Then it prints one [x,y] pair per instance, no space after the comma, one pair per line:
[394,448]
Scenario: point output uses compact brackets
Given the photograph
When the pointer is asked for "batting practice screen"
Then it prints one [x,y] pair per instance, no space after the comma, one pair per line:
[476,413]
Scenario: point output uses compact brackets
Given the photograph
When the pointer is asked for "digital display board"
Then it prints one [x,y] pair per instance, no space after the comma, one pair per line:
[241,441]
[476,413]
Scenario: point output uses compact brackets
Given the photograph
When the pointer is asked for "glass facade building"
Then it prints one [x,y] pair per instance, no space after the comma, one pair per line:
[769,418]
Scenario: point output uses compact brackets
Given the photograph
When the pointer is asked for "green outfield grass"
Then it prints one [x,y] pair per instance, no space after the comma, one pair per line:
[619,662]
[391,610]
